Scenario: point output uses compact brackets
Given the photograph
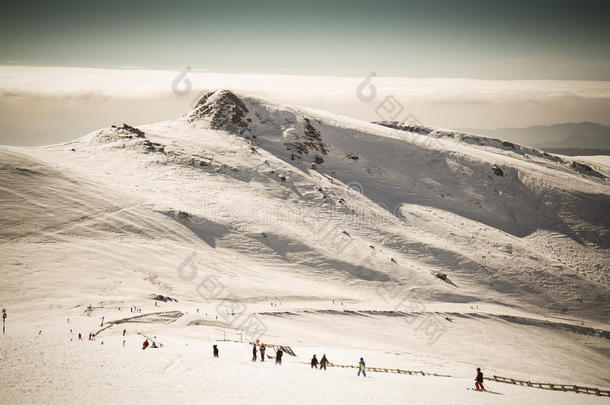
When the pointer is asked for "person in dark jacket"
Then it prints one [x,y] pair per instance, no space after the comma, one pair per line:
[262,349]
[278,356]
[479,381]
[215,350]
[254,352]
[314,362]
[323,362]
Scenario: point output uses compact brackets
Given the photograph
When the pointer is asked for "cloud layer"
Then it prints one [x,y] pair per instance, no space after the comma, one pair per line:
[38,100]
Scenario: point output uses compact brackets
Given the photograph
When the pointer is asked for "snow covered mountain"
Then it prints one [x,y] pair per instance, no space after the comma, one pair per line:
[332,233]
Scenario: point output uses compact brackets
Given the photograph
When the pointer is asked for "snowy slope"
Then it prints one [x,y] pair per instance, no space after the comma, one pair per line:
[329,230]
[599,159]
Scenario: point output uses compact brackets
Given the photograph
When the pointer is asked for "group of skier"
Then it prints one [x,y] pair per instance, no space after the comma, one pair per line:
[323,362]
[362,370]
[279,354]
[262,349]
[146,344]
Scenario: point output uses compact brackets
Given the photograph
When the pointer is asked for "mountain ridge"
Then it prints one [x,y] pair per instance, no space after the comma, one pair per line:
[570,135]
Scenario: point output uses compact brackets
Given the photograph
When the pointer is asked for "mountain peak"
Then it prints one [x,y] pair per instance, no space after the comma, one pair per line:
[224,110]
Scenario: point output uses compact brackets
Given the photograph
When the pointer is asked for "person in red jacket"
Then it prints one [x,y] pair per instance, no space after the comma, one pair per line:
[145,344]
[262,349]
[479,381]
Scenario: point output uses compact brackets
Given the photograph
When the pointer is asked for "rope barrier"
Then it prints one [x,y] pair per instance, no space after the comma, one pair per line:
[554,387]
[390,370]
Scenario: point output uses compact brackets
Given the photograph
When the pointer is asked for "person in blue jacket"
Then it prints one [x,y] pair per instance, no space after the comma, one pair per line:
[361,367]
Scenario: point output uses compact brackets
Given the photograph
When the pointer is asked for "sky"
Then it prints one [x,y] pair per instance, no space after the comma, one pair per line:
[484,39]
[68,67]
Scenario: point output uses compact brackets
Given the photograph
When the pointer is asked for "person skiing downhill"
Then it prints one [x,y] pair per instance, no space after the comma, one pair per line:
[323,362]
[479,381]
[215,350]
[314,362]
[145,344]
[254,352]
[262,349]
[361,367]
[278,356]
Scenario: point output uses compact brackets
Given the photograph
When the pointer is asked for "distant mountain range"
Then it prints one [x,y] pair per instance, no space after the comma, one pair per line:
[575,138]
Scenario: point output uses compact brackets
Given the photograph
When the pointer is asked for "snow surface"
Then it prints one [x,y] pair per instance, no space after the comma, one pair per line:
[599,159]
[226,210]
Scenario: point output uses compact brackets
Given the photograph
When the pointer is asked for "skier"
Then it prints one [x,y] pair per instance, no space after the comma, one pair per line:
[323,362]
[145,344]
[314,362]
[80,337]
[262,349]
[278,356]
[479,381]
[215,349]
[361,367]
[254,352]
[124,332]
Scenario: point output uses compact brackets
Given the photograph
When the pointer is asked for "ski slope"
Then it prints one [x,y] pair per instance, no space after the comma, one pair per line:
[325,232]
